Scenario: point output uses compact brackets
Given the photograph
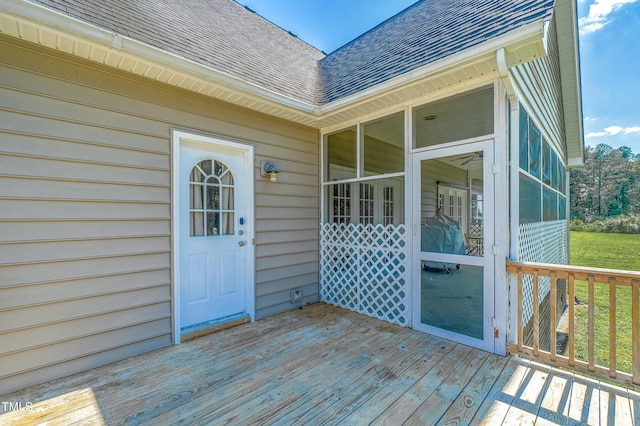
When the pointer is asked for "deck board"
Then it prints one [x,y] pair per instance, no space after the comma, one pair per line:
[526,405]
[323,365]
[464,407]
[495,406]
[585,402]
[331,396]
[434,407]
[270,398]
[556,400]
[406,405]
[375,404]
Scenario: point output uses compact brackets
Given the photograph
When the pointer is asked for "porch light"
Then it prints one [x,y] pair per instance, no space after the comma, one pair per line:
[267,168]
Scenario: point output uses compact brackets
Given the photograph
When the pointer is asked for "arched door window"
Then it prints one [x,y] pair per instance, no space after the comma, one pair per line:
[211,199]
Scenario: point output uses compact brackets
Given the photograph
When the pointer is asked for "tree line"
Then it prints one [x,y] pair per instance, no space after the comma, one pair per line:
[607,186]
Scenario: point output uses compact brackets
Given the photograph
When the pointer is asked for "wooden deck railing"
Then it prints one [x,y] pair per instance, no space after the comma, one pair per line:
[613,279]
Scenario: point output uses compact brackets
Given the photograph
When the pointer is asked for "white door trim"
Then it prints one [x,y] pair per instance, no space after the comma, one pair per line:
[176,137]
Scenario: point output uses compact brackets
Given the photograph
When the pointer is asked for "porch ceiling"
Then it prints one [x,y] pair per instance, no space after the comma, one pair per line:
[48,28]
[323,365]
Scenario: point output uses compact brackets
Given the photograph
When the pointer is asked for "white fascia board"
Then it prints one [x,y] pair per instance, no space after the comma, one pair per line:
[46,18]
[523,35]
[575,162]
[570,8]
[545,36]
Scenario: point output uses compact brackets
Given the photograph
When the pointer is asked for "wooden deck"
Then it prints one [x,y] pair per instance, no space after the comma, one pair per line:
[322,365]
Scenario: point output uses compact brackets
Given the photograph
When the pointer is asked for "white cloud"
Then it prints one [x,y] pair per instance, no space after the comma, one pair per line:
[590,28]
[599,12]
[613,131]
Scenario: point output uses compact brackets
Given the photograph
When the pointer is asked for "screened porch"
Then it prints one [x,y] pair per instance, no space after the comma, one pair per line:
[404,207]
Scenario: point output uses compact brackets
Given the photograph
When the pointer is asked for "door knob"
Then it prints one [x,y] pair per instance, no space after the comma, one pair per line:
[241,243]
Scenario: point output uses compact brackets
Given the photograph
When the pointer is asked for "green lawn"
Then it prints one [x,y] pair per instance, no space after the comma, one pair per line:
[613,251]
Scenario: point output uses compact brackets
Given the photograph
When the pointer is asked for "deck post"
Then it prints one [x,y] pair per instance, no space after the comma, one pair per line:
[635,330]
[612,327]
[552,322]
[520,331]
[572,320]
[591,329]
[536,313]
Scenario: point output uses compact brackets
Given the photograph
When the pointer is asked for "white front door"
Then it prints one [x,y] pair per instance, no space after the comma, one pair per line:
[214,230]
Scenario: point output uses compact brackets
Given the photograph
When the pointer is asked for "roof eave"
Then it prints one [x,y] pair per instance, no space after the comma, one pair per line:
[514,42]
[567,29]
[44,26]
[37,24]
[521,45]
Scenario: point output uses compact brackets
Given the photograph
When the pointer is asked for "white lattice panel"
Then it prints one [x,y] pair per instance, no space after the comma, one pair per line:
[544,242]
[363,268]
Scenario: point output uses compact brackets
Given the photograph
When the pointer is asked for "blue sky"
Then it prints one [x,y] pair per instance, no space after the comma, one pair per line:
[609,49]
[610,59]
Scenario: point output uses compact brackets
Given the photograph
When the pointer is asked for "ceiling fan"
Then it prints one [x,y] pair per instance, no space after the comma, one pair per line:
[469,158]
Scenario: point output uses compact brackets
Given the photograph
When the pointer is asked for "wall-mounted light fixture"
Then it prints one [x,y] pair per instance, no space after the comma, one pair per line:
[270,170]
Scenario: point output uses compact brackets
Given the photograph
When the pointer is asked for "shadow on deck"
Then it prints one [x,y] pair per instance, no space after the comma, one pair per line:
[322,365]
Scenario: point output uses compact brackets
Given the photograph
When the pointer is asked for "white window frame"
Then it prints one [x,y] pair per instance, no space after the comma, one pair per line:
[460,206]
[376,181]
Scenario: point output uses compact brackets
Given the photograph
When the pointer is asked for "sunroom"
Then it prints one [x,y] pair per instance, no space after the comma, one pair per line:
[416,218]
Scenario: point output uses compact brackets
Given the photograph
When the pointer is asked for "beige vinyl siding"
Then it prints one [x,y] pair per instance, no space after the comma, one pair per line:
[540,83]
[85,210]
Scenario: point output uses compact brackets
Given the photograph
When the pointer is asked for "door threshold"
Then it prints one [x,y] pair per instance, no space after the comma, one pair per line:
[208,327]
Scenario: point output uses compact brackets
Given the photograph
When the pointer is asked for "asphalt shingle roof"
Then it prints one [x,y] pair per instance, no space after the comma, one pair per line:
[227,37]
[220,34]
[423,33]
